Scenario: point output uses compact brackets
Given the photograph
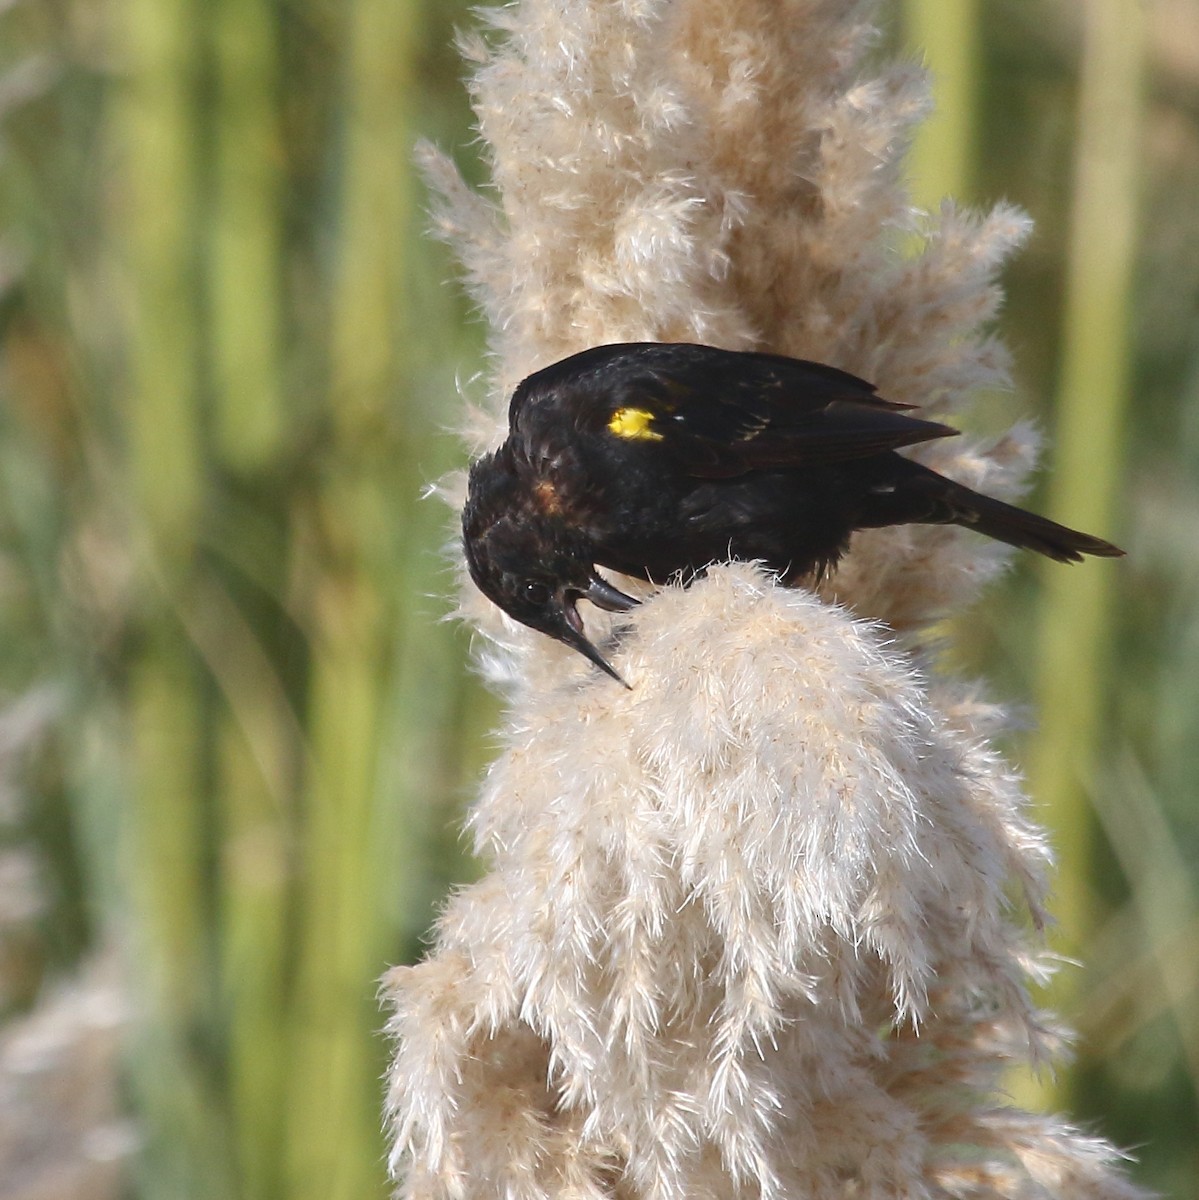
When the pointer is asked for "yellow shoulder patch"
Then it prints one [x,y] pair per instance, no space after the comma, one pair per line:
[635,424]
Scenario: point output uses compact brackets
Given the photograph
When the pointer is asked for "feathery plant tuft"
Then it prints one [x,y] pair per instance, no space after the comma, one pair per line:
[766,923]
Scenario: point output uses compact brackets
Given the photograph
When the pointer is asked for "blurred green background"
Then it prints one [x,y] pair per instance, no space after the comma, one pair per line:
[237,734]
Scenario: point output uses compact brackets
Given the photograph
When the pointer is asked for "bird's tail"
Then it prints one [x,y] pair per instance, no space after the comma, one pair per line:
[940,501]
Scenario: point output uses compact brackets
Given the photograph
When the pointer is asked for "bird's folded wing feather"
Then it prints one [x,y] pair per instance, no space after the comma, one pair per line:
[766,412]
[712,412]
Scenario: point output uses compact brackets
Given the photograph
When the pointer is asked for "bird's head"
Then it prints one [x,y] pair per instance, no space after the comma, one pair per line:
[525,558]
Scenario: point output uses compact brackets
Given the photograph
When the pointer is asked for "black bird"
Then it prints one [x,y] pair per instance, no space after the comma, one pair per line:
[656,459]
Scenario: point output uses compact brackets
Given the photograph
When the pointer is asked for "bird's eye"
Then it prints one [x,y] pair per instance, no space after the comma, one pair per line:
[534,592]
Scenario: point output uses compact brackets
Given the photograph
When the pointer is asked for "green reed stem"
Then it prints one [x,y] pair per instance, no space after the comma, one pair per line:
[255,735]
[334,1146]
[941,161]
[183,1115]
[155,135]
[1093,394]
[247,234]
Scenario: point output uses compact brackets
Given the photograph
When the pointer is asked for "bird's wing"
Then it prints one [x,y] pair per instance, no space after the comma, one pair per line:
[717,412]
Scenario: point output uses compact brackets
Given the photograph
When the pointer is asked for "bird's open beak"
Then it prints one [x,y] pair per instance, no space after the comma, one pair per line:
[603,595]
